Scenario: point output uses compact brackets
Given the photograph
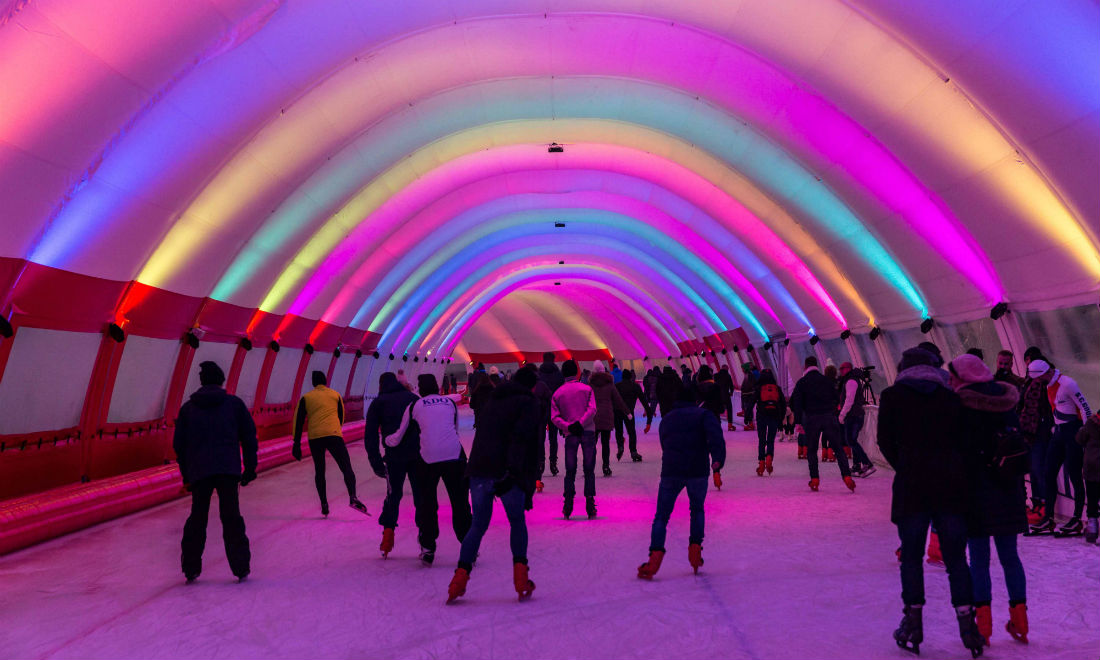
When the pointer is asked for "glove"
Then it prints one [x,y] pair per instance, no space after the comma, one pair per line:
[576,429]
[502,486]
[248,477]
[296,451]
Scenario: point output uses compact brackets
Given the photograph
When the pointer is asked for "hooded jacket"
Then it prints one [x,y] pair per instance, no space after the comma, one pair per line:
[550,374]
[668,388]
[384,417]
[724,380]
[996,508]
[508,439]
[631,392]
[214,431]
[607,400]
[691,441]
[920,435]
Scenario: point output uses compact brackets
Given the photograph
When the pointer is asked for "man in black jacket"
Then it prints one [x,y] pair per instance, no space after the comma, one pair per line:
[550,375]
[383,418]
[815,403]
[503,463]
[691,446]
[213,431]
[632,393]
[726,386]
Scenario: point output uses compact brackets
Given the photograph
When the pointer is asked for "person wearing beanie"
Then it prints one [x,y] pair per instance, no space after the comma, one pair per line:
[1070,410]
[214,433]
[503,464]
[550,375]
[573,411]
[401,459]
[321,412]
[920,433]
[441,458]
[609,403]
[998,508]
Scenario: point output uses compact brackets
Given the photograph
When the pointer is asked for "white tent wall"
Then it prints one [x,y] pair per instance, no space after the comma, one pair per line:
[143,378]
[250,376]
[46,379]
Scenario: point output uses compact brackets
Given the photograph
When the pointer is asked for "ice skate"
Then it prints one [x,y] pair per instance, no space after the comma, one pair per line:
[324,509]
[191,577]
[357,505]
[539,485]
[850,483]
[553,467]
[1092,530]
[910,632]
[1036,514]
[695,556]
[427,556]
[934,554]
[802,453]
[867,471]
[848,453]
[567,508]
[607,470]
[731,427]
[968,630]
[984,619]
[387,542]
[458,584]
[815,484]
[768,463]
[524,586]
[749,426]
[636,457]
[590,507]
[646,429]
[760,469]
[647,570]
[1017,622]
[1044,526]
[1073,527]
[241,578]
[619,453]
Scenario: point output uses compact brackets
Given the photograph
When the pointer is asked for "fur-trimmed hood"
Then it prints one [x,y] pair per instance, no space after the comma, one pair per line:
[990,396]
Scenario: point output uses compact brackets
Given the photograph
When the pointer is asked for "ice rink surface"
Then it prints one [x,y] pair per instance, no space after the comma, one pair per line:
[788,574]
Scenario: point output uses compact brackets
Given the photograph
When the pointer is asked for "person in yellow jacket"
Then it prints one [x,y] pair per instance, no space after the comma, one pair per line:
[321,411]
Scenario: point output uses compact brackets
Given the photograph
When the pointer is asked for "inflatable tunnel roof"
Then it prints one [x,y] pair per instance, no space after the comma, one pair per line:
[429,176]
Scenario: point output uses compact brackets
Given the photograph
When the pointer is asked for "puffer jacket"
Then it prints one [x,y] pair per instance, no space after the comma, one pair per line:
[214,431]
[996,508]
[384,417]
[508,439]
[607,400]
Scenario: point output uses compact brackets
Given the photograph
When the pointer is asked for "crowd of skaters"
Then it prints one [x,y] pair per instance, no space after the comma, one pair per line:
[960,439]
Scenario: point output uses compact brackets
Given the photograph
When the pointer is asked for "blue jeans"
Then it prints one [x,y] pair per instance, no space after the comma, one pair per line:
[913,531]
[586,443]
[481,496]
[1015,580]
[852,427]
[766,428]
[667,493]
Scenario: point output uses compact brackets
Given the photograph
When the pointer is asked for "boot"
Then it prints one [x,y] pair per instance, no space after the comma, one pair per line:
[1017,622]
[539,485]
[768,463]
[760,469]
[934,554]
[590,507]
[647,570]
[848,453]
[910,632]
[968,630]
[524,586]
[1092,530]
[814,483]
[850,483]
[984,619]
[802,453]
[567,508]
[1073,527]
[458,584]
[553,467]
[387,542]
[695,556]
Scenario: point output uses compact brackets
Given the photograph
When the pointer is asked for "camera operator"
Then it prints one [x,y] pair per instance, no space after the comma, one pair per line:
[853,384]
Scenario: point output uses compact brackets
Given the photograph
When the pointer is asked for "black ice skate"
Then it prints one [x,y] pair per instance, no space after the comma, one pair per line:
[910,632]
[427,556]
[1073,527]
[968,630]
[358,506]
[590,507]
[324,509]
[636,457]
[1045,526]
[553,467]
[567,508]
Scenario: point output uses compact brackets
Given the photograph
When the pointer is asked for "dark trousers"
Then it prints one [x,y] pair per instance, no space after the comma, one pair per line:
[426,499]
[1040,445]
[586,442]
[913,532]
[667,492]
[552,440]
[481,492]
[748,403]
[396,471]
[825,428]
[335,446]
[622,422]
[651,411]
[1015,581]
[1064,450]
[1092,493]
[229,508]
[851,428]
[766,428]
[729,410]
[605,446]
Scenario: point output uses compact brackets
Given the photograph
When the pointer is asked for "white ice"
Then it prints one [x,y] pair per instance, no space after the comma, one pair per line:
[788,574]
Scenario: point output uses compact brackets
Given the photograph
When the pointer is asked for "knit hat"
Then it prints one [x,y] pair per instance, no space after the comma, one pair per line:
[599,367]
[569,369]
[915,357]
[210,373]
[934,350]
[1037,368]
[969,368]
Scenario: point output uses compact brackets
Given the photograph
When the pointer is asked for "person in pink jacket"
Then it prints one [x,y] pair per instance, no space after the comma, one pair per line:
[573,410]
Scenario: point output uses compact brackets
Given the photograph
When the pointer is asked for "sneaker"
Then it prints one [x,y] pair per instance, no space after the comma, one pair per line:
[427,556]
[358,506]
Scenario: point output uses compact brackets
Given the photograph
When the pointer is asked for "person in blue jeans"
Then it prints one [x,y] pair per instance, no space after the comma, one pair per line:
[691,446]
[504,462]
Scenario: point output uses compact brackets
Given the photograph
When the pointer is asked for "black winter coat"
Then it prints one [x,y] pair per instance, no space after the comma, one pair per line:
[814,394]
[691,441]
[920,435]
[668,388]
[544,394]
[709,396]
[996,508]
[508,440]
[550,374]
[631,393]
[724,380]
[649,383]
[384,417]
[214,431]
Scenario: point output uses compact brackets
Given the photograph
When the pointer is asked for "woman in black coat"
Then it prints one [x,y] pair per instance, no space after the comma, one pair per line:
[998,506]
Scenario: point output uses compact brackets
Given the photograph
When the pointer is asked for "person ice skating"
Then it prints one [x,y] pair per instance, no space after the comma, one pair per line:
[1070,410]
[321,412]
[649,384]
[707,392]
[668,389]
[550,375]
[401,460]
[691,446]
[920,435]
[1037,425]
[608,403]
[814,401]
[726,386]
[441,458]
[631,394]
[771,407]
[852,417]
[214,434]
[573,411]
[1089,439]
[503,464]
[748,393]
[998,506]
[544,394]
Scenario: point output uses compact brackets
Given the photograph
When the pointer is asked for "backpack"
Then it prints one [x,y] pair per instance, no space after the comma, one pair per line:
[769,398]
[1011,458]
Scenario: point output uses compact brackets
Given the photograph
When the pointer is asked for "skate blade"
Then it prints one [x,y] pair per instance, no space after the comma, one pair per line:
[363,511]
[908,646]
